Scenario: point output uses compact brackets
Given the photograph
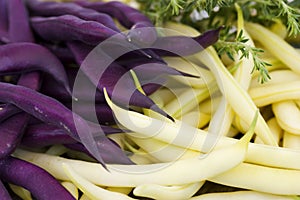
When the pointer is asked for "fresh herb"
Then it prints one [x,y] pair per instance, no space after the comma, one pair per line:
[204,14]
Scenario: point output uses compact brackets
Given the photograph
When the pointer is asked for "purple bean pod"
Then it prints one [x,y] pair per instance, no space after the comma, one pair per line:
[11,133]
[24,57]
[141,28]
[4,21]
[183,45]
[19,28]
[103,112]
[71,28]
[39,182]
[46,9]
[42,135]
[51,88]
[116,80]
[8,110]
[52,111]
[4,195]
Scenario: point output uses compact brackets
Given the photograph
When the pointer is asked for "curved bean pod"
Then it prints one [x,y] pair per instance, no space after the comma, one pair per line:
[8,110]
[19,172]
[11,133]
[51,111]
[115,78]
[183,45]
[3,21]
[41,135]
[13,59]
[4,195]
[56,9]
[70,28]
[141,27]
[19,28]
[103,112]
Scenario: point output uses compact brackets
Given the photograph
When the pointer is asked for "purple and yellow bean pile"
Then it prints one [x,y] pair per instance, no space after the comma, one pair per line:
[42,46]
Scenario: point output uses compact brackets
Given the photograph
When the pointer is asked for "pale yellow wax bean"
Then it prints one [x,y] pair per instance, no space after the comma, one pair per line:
[298,103]
[84,197]
[118,138]
[209,105]
[162,96]
[291,141]
[123,190]
[196,119]
[185,136]
[238,98]
[164,152]
[21,192]
[268,94]
[261,178]
[205,76]
[187,101]
[92,191]
[232,132]
[57,150]
[283,51]
[71,188]
[219,161]
[287,115]
[219,125]
[140,159]
[278,77]
[242,195]
[161,192]
[276,130]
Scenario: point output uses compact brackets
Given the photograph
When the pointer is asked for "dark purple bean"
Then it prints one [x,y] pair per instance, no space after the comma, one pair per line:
[61,52]
[142,30]
[71,28]
[30,80]
[11,133]
[79,50]
[8,110]
[150,88]
[17,57]
[41,135]
[19,28]
[39,182]
[3,15]
[47,9]
[184,46]
[109,144]
[114,78]
[4,195]
[3,21]
[51,111]
[51,88]
[103,112]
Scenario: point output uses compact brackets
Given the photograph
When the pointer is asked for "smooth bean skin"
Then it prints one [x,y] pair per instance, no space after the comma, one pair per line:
[52,111]
[19,27]
[4,195]
[3,21]
[24,57]
[11,133]
[7,110]
[183,45]
[129,18]
[117,81]
[39,8]
[40,183]
[42,135]
[71,28]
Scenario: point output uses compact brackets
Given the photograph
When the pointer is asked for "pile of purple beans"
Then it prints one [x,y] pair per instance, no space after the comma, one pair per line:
[42,46]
